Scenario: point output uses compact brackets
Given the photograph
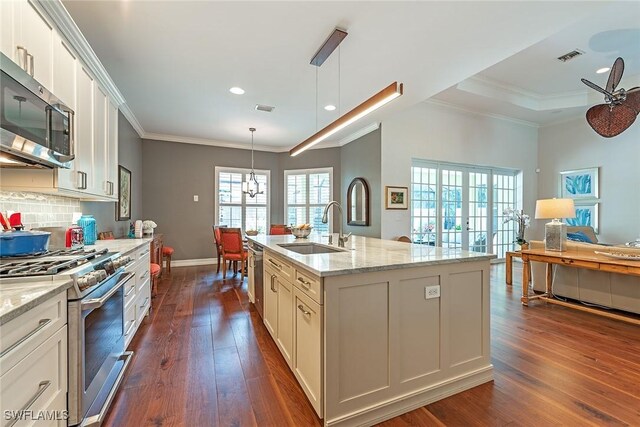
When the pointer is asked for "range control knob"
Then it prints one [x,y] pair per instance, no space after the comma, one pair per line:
[100,275]
[91,279]
[82,282]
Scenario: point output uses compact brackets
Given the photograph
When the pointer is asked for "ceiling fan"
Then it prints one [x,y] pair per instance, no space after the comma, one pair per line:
[620,106]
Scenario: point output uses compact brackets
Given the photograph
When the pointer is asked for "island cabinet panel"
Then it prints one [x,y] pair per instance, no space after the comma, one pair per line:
[285,319]
[364,343]
[270,296]
[419,329]
[308,347]
[465,318]
[279,266]
[390,347]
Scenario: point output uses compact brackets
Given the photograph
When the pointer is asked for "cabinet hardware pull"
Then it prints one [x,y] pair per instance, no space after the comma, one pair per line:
[131,289]
[41,389]
[275,264]
[301,308]
[41,324]
[31,66]
[144,276]
[144,304]
[272,279]
[22,57]
[126,334]
[304,283]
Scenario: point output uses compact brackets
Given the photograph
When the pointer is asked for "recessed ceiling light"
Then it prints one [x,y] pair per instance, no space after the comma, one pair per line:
[603,70]
[329,107]
[236,90]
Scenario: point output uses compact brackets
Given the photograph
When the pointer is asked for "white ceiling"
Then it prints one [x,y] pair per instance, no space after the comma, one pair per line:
[174,61]
[535,87]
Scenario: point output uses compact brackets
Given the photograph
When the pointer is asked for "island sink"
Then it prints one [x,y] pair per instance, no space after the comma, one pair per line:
[309,248]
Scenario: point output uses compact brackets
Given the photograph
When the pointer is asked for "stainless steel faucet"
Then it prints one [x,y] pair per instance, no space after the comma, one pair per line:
[342,239]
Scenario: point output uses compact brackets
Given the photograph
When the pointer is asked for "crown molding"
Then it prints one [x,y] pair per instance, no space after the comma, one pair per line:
[133,120]
[359,134]
[439,103]
[211,142]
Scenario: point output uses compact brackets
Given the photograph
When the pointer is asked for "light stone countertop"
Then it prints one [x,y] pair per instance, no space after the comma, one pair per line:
[366,254]
[18,298]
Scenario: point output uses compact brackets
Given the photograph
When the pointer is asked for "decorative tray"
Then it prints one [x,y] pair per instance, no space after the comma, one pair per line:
[620,255]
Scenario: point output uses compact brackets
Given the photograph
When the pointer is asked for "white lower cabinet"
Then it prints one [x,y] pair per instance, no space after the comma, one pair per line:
[137,294]
[294,318]
[307,361]
[284,338]
[33,366]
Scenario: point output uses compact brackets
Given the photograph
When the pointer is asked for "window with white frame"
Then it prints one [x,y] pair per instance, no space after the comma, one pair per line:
[236,209]
[307,192]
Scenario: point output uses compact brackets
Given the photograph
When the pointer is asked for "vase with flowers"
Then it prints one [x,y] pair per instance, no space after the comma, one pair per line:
[522,221]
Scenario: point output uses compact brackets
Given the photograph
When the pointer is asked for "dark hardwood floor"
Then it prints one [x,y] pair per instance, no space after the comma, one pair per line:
[204,358]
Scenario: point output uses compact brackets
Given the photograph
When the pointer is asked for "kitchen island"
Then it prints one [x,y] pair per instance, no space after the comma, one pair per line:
[377,328]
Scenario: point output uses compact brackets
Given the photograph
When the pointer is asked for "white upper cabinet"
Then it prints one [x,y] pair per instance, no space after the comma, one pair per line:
[83,162]
[27,39]
[99,179]
[64,72]
[111,165]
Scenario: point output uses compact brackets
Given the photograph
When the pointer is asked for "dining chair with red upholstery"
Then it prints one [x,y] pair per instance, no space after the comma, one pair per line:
[217,240]
[279,229]
[233,249]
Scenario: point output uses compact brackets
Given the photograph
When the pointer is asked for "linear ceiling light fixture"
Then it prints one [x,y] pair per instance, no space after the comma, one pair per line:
[381,98]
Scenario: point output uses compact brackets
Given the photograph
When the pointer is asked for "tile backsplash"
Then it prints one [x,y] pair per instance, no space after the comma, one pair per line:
[40,210]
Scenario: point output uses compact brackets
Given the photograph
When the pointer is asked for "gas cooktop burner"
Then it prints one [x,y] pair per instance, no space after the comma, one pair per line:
[48,263]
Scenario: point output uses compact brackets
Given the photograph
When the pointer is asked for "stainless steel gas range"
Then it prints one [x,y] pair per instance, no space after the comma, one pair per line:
[97,357]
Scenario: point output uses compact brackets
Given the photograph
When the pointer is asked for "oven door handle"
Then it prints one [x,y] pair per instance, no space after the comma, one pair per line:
[99,302]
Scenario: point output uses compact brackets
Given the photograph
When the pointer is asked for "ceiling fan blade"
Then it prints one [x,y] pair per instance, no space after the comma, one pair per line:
[594,86]
[633,99]
[615,75]
[610,121]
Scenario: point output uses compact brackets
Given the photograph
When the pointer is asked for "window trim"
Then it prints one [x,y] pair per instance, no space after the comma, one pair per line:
[288,172]
[243,205]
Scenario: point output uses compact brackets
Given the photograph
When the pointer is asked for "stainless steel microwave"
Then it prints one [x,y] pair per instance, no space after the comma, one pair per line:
[36,127]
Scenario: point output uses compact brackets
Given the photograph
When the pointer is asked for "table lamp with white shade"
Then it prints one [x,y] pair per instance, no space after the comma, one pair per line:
[555,231]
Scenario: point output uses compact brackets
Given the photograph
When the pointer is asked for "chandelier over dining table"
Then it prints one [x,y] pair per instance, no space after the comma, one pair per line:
[251,187]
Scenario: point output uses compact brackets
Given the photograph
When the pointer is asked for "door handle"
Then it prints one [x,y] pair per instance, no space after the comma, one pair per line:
[99,302]
[301,308]
[41,324]
[272,287]
[42,387]
[30,64]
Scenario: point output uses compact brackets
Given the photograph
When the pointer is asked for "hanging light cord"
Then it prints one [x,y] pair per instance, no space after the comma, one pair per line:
[252,150]
[339,80]
[317,99]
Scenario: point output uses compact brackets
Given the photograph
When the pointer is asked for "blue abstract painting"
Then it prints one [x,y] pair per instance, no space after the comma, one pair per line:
[586,215]
[579,184]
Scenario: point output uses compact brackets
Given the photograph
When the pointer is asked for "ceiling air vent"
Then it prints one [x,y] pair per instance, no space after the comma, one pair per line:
[265,108]
[569,56]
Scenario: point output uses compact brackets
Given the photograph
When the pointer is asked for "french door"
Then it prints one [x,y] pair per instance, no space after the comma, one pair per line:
[461,206]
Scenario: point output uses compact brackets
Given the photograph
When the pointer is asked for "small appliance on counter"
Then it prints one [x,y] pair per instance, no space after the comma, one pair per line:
[65,237]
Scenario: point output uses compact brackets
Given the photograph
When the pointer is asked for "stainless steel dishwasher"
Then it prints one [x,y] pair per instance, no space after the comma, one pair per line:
[256,265]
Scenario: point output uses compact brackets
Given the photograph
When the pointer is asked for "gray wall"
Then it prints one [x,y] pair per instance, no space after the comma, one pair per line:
[129,156]
[362,158]
[174,172]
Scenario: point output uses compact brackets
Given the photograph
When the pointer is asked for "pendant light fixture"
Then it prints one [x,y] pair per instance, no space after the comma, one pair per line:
[251,186]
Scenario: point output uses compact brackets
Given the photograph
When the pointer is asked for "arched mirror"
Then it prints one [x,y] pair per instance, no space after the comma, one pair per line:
[358,202]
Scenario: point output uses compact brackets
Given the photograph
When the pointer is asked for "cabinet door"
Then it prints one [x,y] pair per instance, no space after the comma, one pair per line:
[36,35]
[8,28]
[99,186]
[307,365]
[271,303]
[285,319]
[84,127]
[111,159]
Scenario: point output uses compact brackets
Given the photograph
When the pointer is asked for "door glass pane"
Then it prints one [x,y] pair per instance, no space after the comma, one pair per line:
[451,209]
[423,205]
[503,197]
[478,212]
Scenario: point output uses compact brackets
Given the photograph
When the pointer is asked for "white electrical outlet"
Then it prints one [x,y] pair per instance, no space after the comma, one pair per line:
[195,197]
[432,292]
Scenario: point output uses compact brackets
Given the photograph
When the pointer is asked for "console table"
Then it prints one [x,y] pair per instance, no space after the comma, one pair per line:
[576,260]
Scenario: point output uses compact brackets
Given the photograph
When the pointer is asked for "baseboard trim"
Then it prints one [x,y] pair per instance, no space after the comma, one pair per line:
[403,404]
[193,262]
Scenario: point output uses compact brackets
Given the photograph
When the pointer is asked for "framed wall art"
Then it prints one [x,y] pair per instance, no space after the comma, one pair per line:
[396,197]
[586,215]
[123,207]
[579,184]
